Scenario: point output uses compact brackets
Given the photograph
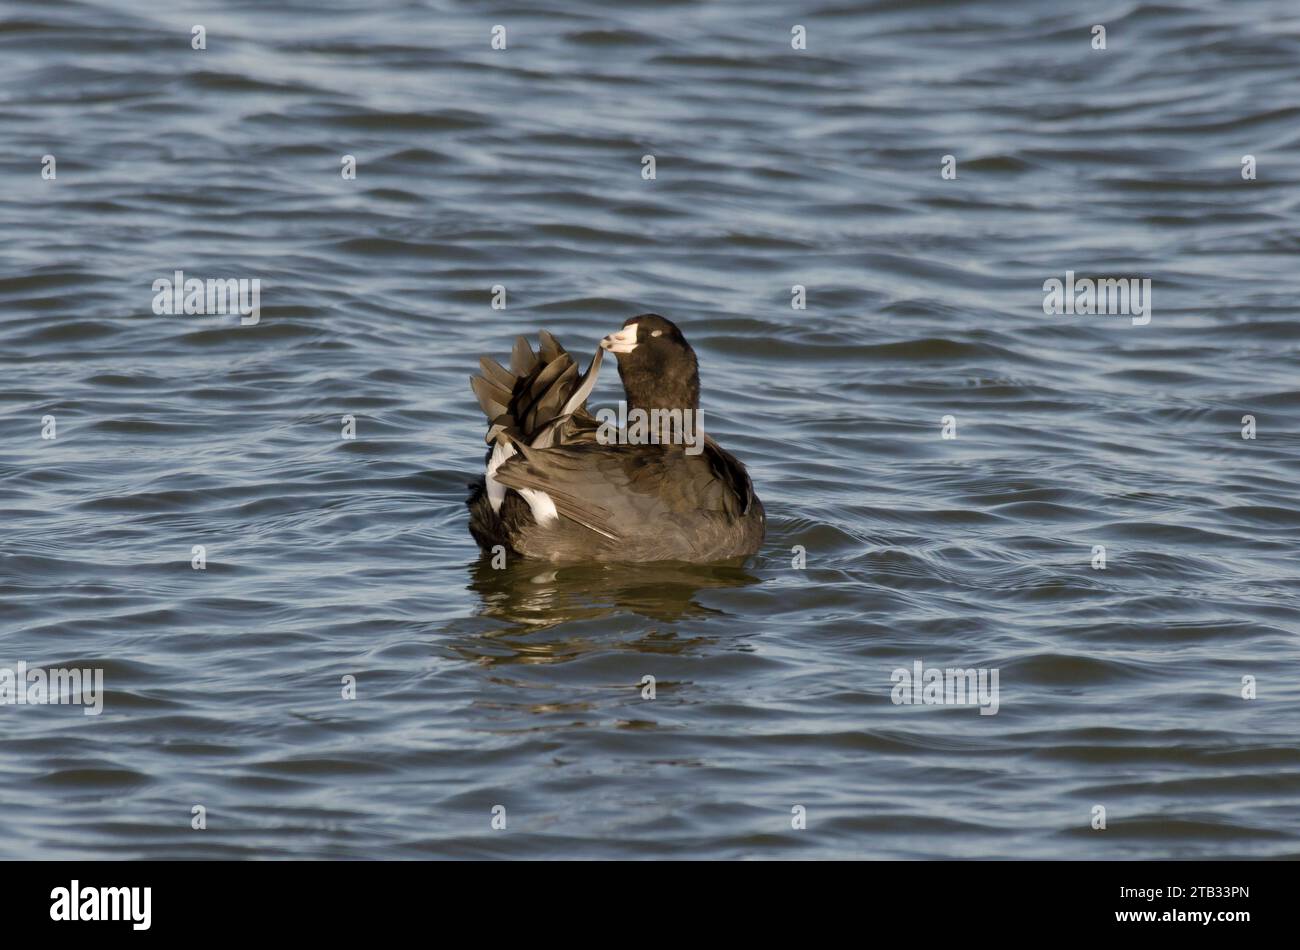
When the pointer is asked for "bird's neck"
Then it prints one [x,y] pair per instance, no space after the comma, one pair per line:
[647,391]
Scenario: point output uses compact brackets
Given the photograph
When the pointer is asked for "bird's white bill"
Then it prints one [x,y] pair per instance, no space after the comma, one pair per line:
[624,341]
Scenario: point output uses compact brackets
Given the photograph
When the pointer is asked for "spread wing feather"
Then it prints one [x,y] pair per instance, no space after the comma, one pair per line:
[541,399]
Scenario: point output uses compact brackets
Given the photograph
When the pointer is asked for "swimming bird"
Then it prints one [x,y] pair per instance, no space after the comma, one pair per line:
[563,485]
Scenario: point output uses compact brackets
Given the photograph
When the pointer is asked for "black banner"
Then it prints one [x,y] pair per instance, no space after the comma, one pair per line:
[1221,901]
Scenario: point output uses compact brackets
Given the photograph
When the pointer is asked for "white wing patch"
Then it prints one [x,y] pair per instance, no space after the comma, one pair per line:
[542,507]
[496,491]
[540,503]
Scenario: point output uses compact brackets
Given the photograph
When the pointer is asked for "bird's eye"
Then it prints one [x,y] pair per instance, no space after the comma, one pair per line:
[657,333]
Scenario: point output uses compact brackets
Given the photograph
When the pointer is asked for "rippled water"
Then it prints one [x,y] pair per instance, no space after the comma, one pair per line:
[329,557]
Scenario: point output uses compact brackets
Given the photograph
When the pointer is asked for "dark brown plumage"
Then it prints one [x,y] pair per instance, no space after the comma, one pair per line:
[563,485]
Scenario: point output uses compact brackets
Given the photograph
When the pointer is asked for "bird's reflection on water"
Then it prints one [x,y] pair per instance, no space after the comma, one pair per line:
[533,596]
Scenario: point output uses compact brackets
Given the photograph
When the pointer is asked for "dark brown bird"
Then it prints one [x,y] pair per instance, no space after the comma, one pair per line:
[640,484]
